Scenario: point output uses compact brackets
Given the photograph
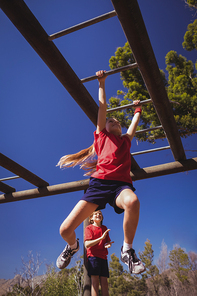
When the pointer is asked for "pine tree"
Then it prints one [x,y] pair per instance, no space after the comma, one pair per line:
[179,263]
[181,87]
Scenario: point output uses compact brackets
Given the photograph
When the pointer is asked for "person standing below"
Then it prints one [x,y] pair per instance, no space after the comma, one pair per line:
[97,241]
[110,182]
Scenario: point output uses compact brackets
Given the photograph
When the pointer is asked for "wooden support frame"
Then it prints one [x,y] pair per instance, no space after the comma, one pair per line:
[6,188]
[131,20]
[130,17]
[17,169]
[139,174]
[24,20]
[87,279]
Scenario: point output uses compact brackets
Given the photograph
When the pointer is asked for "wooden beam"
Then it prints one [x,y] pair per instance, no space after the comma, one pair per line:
[87,280]
[83,25]
[23,19]
[164,169]
[45,191]
[6,188]
[149,172]
[130,17]
[17,169]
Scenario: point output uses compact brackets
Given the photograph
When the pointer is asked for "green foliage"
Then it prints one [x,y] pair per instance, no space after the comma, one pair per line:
[190,37]
[180,263]
[122,283]
[116,268]
[192,3]
[147,258]
[180,278]
[151,270]
[181,88]
[59,284]
[17,290]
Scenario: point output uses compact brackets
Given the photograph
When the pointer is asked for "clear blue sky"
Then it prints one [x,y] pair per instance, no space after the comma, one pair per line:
[40,122]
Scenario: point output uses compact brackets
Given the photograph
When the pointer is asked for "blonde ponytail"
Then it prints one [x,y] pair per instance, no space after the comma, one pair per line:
[84,158]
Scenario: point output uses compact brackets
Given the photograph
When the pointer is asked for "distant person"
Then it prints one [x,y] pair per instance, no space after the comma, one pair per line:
[110,182]
[97,241]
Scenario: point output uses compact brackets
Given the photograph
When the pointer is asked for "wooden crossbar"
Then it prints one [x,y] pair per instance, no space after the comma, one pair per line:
[150,150]
[82,25]
[128,106]
[9,178]
[110,72]
[149,129]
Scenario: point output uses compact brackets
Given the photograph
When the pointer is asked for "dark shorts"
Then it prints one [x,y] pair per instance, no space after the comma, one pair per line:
[101,192]
[98,266]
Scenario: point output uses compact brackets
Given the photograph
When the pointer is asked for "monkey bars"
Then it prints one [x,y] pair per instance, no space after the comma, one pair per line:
[132,23]
[133,26]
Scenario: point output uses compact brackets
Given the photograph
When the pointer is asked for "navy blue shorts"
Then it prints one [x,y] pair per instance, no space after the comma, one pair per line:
[98,266]
[101,192]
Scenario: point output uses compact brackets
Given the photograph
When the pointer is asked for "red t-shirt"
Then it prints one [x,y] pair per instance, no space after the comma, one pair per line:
[114,159]
[93,232]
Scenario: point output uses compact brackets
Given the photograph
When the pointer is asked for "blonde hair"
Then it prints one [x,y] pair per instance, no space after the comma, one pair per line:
[90,218]
[84,158]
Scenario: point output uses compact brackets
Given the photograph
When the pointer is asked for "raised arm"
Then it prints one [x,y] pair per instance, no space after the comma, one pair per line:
[91,243]
[135,121]
[101,120]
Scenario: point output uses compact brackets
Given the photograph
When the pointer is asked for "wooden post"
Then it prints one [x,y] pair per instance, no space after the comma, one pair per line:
[87,280]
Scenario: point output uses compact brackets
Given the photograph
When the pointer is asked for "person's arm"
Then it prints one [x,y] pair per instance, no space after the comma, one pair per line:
[135,121]
[108,244]
[101,120]
[91,243]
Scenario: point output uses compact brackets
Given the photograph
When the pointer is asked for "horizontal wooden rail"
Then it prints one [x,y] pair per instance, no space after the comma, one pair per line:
[138,174]
[17,169]
[45,191]
[164,169]
[9,178]
[149,129]
[83,25]
[128,106]
[111,72]
[150,150]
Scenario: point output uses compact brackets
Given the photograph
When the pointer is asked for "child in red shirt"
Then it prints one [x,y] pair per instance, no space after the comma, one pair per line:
[97,241]
[110,182]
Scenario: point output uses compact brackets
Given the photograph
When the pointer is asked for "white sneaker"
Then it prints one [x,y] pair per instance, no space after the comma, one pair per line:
[65,257]
[129,258]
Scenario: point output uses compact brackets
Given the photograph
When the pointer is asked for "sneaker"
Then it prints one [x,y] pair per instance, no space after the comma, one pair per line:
[129,258]
[65,257]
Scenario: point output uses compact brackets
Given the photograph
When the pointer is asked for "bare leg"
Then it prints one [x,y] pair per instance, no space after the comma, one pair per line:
[80,212]
[104,286]
[94,285]
[128,201]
